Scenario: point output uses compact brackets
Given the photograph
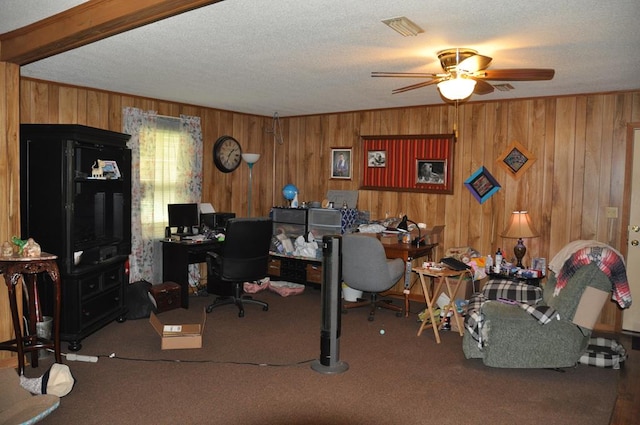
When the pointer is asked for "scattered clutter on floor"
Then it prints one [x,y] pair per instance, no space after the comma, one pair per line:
[282,288]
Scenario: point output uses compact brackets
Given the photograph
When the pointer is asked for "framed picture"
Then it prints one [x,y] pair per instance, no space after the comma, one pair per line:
[412,163]
[431,171]
[482,184]
[516,159]
[377,158]
[341,163]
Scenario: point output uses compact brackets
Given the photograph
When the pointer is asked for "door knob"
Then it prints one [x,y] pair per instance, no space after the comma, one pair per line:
[634,242]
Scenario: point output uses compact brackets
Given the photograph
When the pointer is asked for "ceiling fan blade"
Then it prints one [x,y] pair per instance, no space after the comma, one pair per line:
[482,87]
[522,74]
[404,74]
[474,63]
[416,86]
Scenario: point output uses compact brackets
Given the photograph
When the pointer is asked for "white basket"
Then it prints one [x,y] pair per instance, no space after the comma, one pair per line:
[350,294]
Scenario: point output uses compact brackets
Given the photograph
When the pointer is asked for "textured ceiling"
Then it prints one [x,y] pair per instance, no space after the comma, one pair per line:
[295,57]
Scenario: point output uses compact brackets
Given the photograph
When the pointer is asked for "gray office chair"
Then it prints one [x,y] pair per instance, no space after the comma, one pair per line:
[365,267]
[243,258]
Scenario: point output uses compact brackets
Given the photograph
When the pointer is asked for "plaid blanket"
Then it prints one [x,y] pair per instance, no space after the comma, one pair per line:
[608,261]
[604,352]
[525,296]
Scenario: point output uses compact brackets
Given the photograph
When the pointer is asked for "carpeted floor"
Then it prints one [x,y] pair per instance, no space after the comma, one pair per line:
[256,370]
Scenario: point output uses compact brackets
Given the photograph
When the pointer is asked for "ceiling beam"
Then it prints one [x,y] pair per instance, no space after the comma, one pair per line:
[88,22]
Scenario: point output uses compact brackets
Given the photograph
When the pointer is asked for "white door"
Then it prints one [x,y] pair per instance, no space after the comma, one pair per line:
[631,316]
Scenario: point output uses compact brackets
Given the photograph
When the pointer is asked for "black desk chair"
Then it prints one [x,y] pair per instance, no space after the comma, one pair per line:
[243,257]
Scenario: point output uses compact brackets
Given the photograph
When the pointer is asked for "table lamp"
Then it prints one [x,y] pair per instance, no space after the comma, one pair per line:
[250,159]
[519,227]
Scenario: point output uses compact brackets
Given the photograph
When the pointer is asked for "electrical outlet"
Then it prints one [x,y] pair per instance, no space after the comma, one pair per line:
[612,212]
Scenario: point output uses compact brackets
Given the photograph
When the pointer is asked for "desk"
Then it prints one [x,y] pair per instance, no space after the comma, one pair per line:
[451,287]
[408,253]
[176,257]
[28,267]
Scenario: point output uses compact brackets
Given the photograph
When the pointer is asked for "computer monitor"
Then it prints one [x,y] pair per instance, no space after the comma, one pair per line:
[216,221]
[184,217]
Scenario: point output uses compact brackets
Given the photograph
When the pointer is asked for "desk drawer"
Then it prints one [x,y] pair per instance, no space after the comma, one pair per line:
[314,273]
[273,268]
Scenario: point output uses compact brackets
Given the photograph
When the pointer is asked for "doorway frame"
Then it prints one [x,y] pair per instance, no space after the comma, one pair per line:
[626,203]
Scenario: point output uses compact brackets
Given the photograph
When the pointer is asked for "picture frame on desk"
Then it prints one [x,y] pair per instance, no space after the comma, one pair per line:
[539,264]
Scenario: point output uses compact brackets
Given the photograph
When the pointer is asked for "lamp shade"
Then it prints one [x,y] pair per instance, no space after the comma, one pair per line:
[457,88]
[520,226]
[250,158]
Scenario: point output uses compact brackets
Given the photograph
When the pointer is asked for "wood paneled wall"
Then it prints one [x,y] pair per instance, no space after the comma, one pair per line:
[9,182]
[579,142]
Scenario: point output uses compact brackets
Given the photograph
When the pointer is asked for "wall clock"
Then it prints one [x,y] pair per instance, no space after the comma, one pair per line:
[227,154]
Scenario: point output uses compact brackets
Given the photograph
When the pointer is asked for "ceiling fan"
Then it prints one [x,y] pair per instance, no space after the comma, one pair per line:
[466,73]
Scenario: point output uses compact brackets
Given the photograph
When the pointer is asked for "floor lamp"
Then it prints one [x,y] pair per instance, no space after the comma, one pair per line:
[250,159]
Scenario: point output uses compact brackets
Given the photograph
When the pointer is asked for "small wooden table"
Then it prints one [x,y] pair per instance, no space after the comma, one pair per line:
[28,267]
[443,277]
[408,252]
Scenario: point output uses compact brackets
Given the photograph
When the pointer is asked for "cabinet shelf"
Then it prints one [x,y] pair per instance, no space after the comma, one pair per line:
[66,211]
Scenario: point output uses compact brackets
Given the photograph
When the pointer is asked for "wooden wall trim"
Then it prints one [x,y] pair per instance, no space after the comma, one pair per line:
[9,180]
[86,23]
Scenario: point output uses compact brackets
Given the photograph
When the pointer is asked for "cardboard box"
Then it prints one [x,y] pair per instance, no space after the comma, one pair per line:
[389,239]
[589,308]
[175,333]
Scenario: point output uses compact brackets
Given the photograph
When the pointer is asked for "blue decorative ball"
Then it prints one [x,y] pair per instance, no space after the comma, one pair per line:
[289,192]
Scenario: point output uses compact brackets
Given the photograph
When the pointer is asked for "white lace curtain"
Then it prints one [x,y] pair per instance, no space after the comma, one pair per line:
[166,168]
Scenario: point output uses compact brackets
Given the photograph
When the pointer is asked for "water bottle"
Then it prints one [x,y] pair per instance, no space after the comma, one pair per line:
[488,265]
[496,268]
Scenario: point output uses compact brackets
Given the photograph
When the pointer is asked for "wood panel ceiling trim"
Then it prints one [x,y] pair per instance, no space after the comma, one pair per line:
[85,24]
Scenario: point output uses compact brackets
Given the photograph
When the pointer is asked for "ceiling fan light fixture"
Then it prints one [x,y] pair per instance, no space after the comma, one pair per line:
[403,25]
[457,88]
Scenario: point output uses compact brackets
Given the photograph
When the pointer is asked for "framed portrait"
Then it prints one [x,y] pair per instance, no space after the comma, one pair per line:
[516,159]
[431,171]
[412,163]
[376,158]
[341,163]
[482,184]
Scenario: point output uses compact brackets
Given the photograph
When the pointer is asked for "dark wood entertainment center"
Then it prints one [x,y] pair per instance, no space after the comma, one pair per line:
[81,216]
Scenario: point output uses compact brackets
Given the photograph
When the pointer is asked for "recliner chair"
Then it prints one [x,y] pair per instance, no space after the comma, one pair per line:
[244,257]
[365,267]
[511,337]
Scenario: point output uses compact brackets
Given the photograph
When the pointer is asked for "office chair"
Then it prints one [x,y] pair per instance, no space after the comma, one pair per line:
[365,267]
[243,257]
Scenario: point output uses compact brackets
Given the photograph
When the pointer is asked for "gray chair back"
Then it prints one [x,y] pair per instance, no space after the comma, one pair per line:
[365,266]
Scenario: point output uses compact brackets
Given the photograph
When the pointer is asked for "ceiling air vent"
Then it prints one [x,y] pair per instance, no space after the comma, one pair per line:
[403,26]
[503,87]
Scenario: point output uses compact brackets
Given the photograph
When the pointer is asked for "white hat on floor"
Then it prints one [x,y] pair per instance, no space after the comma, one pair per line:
[57,380]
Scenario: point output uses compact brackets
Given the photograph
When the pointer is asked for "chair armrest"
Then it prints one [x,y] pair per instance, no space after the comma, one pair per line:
[214,260]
